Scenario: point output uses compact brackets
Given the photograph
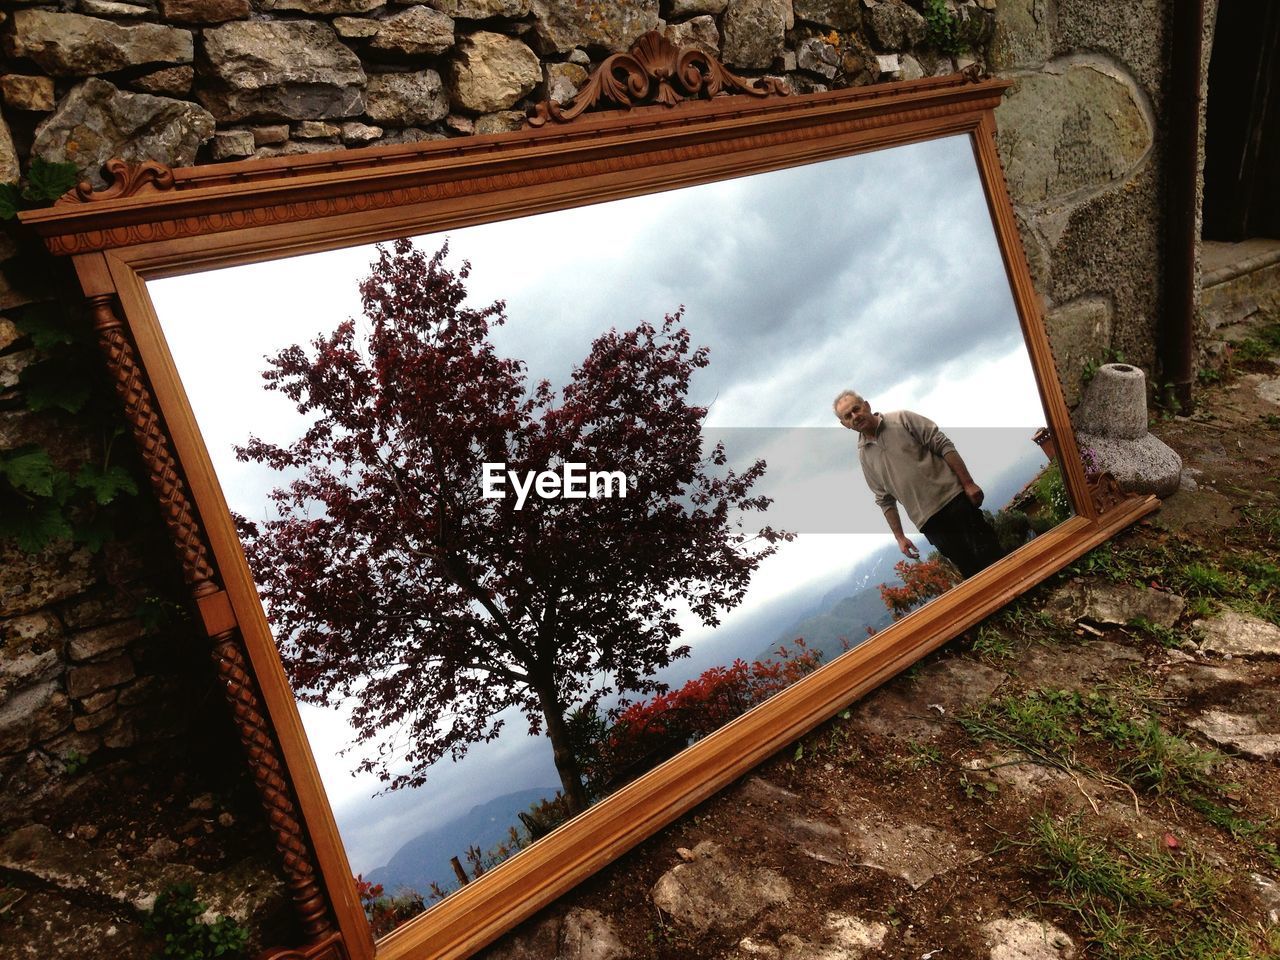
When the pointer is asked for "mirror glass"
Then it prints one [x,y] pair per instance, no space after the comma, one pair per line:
[533,505]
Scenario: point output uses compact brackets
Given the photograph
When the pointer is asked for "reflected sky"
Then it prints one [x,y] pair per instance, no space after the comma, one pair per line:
[879,272]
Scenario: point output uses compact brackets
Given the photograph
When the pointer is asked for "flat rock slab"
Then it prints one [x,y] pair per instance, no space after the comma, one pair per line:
[1079,793]
[905,708]
[1027,939]
[1268,893]
[1245,733]
[715,891]
[1196,512]
[1269,390]
[577,934]
[1074,666]
[43,924]
[1236,634]
[914,852]
[842,937]
[1103,602]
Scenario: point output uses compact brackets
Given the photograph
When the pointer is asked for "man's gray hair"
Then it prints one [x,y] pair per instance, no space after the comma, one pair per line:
[846,393]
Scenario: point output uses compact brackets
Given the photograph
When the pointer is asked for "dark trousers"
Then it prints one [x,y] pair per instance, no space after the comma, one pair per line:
[962,535]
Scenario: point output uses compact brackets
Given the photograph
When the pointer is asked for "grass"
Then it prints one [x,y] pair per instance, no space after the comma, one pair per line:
[1136,904]
[993,644]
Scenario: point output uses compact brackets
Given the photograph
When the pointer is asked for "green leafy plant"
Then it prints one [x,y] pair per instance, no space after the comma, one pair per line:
[45,182]
[943,31]
[73,762]
[177,920]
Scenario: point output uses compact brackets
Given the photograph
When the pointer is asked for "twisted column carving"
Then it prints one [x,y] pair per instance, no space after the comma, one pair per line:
[256,734]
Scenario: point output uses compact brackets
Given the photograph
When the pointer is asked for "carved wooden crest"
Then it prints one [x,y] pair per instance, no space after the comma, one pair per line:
[126,180]
[654,70]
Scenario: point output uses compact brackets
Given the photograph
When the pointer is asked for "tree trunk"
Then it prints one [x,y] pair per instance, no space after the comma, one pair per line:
[566,763]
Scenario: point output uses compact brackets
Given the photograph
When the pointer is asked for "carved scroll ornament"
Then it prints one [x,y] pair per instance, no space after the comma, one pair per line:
[654,70]
[126,180]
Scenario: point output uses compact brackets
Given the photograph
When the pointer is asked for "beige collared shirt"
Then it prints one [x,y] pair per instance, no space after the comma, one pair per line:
[904,464]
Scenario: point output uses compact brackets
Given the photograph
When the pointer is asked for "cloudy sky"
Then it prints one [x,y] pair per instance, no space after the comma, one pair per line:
[878,272]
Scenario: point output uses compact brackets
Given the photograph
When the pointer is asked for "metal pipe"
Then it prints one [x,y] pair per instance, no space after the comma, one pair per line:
[1176,334]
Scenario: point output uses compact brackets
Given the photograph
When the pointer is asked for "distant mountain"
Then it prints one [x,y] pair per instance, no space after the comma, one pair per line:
[426,857]
[846,610]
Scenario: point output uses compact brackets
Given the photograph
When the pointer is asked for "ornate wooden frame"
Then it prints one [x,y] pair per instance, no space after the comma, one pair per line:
[154,222]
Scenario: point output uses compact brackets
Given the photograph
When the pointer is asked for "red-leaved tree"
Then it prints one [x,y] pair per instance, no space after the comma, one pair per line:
[392,583]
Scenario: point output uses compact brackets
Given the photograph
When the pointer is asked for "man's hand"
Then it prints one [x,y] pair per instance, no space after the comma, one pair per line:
[908,548]
[974,493]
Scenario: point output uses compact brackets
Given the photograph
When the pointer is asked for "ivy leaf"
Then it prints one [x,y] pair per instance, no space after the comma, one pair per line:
[96,532]
[105,485]
[57,383]
[46,324]
[10,201]
[34,526]
[46,181]
[29,471]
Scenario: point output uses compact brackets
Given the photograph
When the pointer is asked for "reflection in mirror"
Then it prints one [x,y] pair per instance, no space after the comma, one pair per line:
[534,505]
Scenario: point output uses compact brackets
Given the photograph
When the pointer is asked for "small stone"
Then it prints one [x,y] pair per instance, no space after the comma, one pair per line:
[97,701]
[281,70]
[504,121]
[895,26]
[96,720]
[716,892]
[693,8]
[9,334]
[492,72]
[754,32]
[561,25]
[911,68]
[589,934]
[565,80]
[406,99]
[482,9]
[82,681]
[838,14]
[100,640]
[889,63]
[700,32]
[1240,732]
[109,8]
[315,130]
[230,144]
[1107,603]
[171,81]
[269,135]
[685,854]
[204,11]
[71,45]
[87,831]
[27,93]
[580,57]
[409,135]
[225,819]
[122,733]
[353,132]
[96,121]
[355,28]
[1236,634]
[162,849]
[818,56]
[325,8]
[295,149]
[417,31]
[1027,939]
[460,124]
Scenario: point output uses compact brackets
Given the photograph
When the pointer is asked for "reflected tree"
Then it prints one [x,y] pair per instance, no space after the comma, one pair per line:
[392,582]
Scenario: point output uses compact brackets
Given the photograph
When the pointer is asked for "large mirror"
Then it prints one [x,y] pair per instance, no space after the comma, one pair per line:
[532,488]
[533,505]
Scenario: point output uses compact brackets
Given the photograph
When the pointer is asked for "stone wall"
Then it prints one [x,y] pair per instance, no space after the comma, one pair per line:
[95,703]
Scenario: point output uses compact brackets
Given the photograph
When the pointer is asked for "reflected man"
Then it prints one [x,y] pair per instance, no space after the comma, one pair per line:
[907,460]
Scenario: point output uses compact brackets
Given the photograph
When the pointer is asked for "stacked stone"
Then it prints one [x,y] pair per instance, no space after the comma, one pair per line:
[185,81]
[71,681]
